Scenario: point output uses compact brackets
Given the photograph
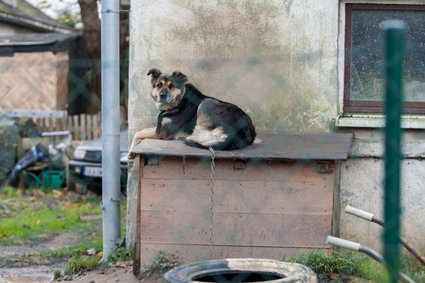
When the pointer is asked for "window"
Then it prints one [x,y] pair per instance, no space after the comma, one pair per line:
[363,69]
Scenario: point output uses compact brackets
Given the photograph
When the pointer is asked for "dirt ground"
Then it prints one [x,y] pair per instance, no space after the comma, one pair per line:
[113,274]
[27,269]
[42,270]
[30,269]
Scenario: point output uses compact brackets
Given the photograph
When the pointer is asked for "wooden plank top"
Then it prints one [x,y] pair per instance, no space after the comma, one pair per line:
[289,145]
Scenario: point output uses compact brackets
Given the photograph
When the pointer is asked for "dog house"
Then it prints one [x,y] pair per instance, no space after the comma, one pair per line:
[270,200]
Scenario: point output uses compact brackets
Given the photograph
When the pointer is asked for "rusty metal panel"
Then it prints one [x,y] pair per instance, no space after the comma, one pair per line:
[300,146]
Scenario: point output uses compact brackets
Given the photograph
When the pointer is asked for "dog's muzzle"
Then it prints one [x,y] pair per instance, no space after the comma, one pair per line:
[163,96]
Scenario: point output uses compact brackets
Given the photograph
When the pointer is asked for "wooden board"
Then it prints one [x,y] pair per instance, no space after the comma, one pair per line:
[268,200]
[34,81]
[300,146]
[260,209]
[236,229]
[225,169]
[186,196]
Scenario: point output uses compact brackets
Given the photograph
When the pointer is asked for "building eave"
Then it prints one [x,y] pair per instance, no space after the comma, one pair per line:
[30,23]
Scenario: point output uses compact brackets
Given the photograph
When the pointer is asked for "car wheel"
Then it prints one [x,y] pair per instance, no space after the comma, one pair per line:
[81,189]
[70,184]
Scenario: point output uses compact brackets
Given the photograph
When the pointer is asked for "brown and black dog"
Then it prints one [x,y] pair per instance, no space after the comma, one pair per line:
[209,122]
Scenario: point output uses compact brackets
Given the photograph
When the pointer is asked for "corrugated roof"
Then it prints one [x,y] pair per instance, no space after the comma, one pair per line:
[27,15]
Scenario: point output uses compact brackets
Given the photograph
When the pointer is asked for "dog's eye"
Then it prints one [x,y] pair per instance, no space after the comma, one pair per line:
[170,86]
[159,85]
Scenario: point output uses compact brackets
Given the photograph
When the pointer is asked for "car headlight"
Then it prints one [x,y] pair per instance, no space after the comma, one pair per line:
[79,153]
[124,157]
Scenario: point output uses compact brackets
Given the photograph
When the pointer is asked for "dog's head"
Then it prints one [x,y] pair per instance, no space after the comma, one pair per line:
[168,90]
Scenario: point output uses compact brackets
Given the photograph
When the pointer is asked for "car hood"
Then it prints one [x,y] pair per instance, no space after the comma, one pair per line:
[96,144]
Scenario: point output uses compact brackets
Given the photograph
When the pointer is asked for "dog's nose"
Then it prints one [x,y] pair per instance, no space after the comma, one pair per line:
[162,96]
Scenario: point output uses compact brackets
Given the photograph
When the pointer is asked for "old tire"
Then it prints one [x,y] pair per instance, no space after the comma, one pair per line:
[250,269]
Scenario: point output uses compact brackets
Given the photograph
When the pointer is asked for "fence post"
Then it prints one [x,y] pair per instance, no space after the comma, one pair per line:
[83,127]
[76,128]
[394,33]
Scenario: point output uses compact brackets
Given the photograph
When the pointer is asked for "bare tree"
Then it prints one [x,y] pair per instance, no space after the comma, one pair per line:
[91,33]
[91,30]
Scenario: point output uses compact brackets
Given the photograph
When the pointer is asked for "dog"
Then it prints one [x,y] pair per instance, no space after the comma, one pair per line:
[183,109]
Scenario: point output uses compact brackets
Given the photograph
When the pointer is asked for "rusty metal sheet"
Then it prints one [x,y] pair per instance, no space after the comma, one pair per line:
[306,146]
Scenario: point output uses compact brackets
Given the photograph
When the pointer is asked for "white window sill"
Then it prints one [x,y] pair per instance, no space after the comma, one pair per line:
[377,121]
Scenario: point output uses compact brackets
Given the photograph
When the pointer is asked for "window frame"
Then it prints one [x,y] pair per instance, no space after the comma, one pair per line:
[367,106]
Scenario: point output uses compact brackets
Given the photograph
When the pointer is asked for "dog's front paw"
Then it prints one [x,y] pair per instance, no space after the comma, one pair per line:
[131,155]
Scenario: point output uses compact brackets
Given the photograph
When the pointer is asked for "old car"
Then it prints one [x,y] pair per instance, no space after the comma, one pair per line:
[85,167]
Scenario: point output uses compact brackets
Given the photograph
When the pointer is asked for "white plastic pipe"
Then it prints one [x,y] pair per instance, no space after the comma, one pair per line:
[366,250]
[359,213]
[110,126]
[343,243]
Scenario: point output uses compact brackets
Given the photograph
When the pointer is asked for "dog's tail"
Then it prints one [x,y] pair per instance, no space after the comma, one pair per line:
[192,143]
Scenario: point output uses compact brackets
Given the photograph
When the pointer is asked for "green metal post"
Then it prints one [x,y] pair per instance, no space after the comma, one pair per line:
[394,33]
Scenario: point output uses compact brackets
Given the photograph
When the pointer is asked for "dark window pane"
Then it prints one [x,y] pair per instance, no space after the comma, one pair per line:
[366,69]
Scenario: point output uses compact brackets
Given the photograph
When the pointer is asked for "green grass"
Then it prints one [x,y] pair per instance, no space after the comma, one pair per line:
[78,264]
[24,215]
[359,267]
[161,263]
[121,254]
[413,268]
[356,265]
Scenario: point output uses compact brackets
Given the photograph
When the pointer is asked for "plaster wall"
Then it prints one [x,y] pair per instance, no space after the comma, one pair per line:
[269,57]
[362,187]
[282,62]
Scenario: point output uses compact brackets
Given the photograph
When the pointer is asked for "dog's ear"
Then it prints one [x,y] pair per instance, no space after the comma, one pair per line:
[179,77]
[155,73]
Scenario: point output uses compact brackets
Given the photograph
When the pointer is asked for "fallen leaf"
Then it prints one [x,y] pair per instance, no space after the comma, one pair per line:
[121,264]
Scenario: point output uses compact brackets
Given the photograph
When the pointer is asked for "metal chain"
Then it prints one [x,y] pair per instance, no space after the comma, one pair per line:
[184,164]
[212,200]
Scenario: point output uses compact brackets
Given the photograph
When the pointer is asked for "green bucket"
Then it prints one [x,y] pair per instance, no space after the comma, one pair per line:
[53,179]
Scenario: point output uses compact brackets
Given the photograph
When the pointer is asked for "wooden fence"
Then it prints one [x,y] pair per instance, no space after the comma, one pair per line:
[83,126]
